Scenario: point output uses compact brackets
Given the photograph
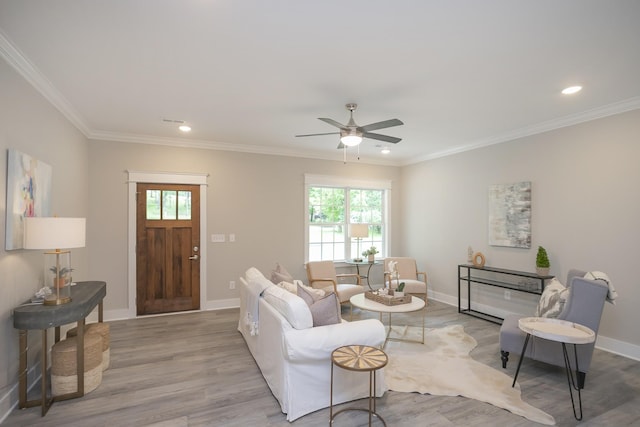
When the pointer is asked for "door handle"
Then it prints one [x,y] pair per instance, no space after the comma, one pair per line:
[194,257]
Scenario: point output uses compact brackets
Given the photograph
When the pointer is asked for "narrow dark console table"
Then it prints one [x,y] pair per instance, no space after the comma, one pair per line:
[85,296]
[513,280]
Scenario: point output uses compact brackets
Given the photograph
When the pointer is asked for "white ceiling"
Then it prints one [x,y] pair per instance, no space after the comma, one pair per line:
[249,75]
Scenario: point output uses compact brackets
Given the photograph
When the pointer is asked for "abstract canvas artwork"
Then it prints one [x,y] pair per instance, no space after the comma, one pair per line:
[28,194]
[510,215]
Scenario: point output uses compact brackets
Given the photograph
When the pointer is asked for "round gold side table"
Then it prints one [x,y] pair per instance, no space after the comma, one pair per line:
[361,358]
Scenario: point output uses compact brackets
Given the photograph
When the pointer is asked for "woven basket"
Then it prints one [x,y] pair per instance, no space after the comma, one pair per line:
[387,300]
[103,330]
[64,377]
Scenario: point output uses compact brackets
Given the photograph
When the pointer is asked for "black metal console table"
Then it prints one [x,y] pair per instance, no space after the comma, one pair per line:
[519,281]
[85,296]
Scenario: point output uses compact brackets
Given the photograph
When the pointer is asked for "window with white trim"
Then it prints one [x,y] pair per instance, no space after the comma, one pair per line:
[332,204]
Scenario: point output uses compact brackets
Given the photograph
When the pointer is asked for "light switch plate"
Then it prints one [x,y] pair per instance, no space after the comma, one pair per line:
[217,238]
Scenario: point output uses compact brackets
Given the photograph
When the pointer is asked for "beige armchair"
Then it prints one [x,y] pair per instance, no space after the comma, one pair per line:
[408,273]
[322,275]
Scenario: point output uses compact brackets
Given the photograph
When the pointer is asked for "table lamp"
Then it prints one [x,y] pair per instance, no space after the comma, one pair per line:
[60,233]
[358,232]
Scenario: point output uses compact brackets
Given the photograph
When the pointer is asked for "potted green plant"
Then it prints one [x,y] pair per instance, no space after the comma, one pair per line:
[370,253]
[542,262]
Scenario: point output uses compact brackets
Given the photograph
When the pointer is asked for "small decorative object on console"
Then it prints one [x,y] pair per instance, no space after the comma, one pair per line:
[542,262]
[478,260]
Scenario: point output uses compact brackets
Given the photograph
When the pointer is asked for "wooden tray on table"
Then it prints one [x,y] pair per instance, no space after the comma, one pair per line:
[387,299]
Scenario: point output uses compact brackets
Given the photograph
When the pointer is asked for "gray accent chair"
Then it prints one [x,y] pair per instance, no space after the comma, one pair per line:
[584,306]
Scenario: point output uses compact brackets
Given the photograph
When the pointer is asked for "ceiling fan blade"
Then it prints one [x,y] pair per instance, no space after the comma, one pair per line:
[381,125]
[333,123]
[385,138]
[317,134]
[341,146]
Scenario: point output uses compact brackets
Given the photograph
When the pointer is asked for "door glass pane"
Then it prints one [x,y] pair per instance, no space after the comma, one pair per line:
[169,204]
[153,204]
[184,204]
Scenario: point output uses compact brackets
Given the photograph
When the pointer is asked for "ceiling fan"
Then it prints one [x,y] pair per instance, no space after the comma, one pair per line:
[351,134]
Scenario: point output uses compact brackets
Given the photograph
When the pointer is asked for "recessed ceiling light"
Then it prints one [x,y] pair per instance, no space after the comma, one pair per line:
[571,90]
[185,128]
[385,150]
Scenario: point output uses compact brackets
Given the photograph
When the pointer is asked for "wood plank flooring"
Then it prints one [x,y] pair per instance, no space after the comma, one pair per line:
[194,369]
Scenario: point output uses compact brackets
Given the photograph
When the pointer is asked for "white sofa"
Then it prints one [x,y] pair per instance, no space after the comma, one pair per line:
[294,356]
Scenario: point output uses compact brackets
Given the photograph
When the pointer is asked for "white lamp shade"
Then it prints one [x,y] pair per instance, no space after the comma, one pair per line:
[359,230]
[54,233]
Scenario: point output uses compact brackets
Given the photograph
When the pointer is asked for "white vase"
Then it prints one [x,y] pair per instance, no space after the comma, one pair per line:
[542,271]
[372,258]
[398,294]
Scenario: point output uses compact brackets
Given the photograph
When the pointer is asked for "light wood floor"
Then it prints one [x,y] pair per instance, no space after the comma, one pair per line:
[194,369]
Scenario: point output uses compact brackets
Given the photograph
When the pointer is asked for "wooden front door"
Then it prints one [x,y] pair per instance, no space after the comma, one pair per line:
[167,248]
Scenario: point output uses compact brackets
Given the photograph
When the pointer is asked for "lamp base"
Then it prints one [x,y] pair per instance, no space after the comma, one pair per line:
[57,301]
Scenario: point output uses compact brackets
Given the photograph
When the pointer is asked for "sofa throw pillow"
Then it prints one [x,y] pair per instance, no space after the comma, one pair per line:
[325,310]
[599,275]
[280,274]
[552,299]
[256,280]
[290,306]
[291,287]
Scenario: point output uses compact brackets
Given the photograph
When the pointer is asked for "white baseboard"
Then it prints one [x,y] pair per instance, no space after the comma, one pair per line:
[111,315]
[9,401]
[618,347]
[123,314]
[222,304]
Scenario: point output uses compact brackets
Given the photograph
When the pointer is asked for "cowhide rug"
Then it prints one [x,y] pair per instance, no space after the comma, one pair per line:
[442,366]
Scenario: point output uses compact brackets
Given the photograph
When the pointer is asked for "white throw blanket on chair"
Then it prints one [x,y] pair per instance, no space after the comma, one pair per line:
[599,275]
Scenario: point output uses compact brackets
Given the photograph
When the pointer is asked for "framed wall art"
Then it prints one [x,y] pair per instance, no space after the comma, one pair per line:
[510,215]
[28,194]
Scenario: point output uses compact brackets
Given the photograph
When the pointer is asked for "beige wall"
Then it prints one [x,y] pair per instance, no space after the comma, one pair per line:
[585,211]
[30,124]
[259,198]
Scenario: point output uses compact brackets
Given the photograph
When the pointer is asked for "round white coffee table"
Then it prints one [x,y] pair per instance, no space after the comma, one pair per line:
[564,332]
[416,304]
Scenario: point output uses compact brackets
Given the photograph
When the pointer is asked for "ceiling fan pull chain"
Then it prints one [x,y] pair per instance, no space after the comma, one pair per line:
[344,154]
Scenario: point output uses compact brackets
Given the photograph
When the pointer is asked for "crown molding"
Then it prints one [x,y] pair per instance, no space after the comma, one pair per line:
[225,146]
[549,125]
[31,74]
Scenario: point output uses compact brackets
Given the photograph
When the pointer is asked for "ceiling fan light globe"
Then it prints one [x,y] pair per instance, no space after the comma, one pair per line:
[351,140]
